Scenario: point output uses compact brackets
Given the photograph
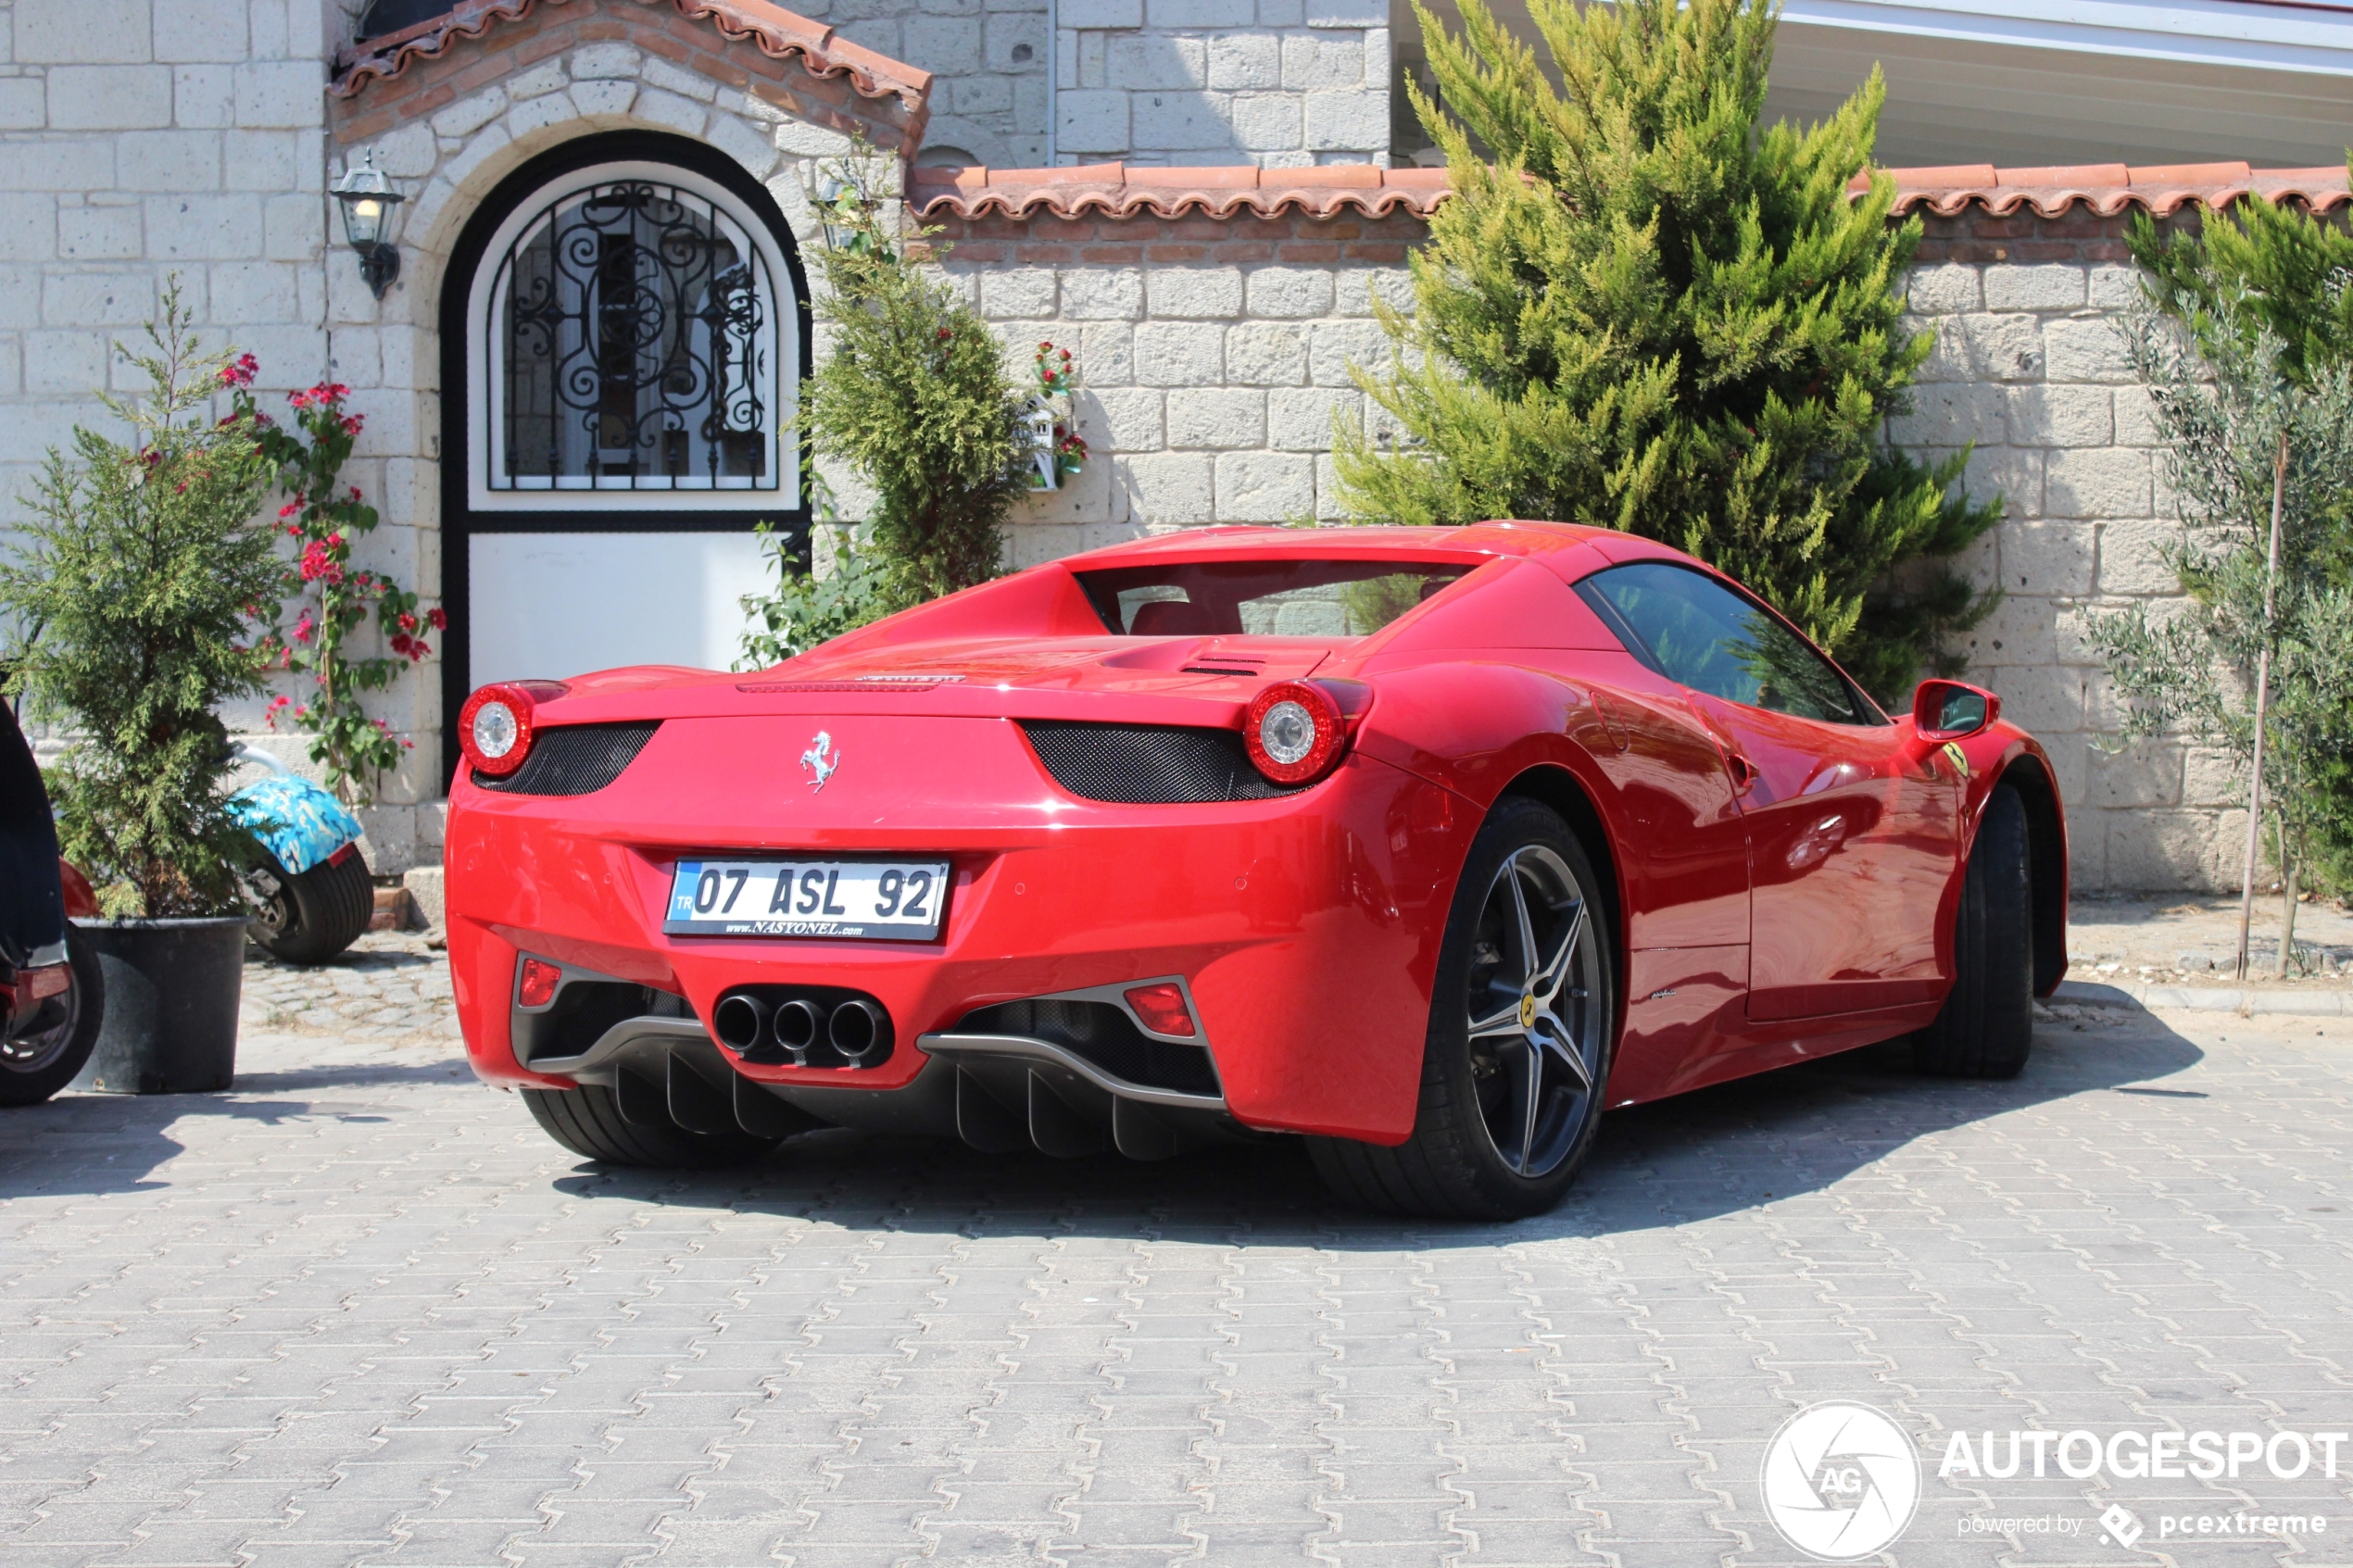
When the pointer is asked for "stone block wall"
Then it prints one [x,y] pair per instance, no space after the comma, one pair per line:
[2030,367]
[1276,83]
[141,140]
[1214,353]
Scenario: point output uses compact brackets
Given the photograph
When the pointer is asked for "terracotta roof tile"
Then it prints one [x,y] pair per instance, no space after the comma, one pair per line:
[1129,190]
[1118,190]
[777,33]
[2107,189]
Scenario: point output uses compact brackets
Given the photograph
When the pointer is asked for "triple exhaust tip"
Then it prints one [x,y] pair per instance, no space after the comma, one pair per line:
[746,1022]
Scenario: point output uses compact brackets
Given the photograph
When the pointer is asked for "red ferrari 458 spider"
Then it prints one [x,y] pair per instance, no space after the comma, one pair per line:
[1426,843]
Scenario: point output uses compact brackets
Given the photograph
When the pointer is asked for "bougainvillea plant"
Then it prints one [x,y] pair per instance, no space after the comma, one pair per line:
[330,598]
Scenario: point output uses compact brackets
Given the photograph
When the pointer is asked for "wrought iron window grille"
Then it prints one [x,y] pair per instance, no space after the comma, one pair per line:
[632,345]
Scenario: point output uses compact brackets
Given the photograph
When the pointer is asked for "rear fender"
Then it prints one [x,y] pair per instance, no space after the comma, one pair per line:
[1519,731]
[1474,727]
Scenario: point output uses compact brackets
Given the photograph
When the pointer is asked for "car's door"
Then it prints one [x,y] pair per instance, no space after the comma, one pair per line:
[1852,829]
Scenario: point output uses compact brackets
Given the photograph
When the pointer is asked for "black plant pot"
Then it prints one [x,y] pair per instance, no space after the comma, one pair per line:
[171,1004]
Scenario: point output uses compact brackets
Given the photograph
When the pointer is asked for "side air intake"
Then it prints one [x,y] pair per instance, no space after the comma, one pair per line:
[573,759]
[1147,764]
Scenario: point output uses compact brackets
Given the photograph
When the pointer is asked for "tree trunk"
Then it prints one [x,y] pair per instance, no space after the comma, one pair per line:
[2287,907]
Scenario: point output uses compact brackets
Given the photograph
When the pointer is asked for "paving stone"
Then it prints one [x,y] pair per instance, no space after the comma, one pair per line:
[359,1310]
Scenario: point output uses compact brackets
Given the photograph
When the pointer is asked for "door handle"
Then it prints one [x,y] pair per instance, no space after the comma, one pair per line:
[1743,773]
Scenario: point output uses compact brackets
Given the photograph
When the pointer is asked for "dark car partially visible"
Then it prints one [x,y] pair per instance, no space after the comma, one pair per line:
[51,998]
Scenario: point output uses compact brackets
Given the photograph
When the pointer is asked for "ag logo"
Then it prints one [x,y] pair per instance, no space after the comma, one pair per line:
[1840,1481]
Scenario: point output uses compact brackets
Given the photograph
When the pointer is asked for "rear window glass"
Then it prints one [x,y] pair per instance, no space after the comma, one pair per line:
[1279,598]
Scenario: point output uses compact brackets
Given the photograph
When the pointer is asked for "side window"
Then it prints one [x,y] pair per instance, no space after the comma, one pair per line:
[1699,632]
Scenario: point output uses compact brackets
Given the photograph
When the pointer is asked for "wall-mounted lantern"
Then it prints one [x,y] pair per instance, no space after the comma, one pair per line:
[370,215]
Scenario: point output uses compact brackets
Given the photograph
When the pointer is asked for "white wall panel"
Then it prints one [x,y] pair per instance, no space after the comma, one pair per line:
[553,605]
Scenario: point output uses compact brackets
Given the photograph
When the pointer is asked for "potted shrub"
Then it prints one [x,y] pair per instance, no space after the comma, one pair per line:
[144,568]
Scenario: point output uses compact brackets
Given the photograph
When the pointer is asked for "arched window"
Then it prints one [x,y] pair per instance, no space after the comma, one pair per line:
[633,354]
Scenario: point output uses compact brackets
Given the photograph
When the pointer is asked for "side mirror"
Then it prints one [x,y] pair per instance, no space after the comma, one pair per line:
[1948,711]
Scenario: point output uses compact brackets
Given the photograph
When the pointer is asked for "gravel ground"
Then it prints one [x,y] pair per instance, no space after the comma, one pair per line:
[2172,936]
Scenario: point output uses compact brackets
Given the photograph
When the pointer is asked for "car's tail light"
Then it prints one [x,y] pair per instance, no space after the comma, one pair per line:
[1163,1009]
[494,727]
[538,987]
[1293,732]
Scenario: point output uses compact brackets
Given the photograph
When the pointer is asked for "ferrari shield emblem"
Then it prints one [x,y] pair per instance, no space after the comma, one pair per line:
[1959,759]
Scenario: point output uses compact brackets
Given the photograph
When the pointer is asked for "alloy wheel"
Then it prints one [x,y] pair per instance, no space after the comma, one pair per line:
[36,1052]
[1534,1025]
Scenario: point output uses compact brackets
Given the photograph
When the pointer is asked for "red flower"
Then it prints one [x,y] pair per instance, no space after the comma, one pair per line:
[351,424]
[289,509]
[438,619]
[240,373]
[408,622]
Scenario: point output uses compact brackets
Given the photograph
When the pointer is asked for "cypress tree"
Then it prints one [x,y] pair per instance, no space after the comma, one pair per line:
[1638,310]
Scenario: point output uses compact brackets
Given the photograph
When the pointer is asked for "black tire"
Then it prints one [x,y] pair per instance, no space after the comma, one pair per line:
[310,918]
[37,1066]
[1987,1026]
[587,1120]
[1456,1164]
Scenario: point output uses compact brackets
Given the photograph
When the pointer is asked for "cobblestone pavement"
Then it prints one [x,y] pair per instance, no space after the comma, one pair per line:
[361,1311]
[387,985]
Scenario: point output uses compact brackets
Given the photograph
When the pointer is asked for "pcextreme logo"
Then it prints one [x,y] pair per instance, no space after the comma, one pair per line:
[1840,1481]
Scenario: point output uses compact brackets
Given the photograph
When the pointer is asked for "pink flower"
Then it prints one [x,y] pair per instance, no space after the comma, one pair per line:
[289,509]
[242,372]
[302,631]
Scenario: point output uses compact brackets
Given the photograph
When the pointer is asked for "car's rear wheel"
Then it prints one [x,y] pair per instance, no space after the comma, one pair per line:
[1987,1026]
[47,1057]
[588,1122]
[1522,1028]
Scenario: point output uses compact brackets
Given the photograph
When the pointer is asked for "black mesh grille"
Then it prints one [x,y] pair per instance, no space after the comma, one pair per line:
[1149,764]
[1105,1036]
[573,759]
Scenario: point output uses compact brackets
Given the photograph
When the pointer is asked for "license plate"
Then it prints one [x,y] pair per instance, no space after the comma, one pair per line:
[899,901]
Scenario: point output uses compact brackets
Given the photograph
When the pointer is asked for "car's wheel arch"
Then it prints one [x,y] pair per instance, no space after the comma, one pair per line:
[2028,774]
[1555,786]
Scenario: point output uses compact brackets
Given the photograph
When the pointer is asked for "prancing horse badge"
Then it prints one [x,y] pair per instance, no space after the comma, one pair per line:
[819,765]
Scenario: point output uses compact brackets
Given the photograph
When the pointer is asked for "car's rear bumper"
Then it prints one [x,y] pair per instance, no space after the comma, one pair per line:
[1306,928]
